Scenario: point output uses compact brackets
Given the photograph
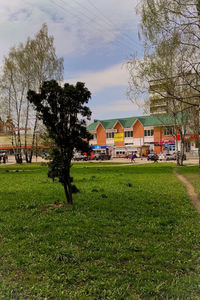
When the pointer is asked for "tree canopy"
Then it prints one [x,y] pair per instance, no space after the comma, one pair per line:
[64,114]
[25,67]
[170,31]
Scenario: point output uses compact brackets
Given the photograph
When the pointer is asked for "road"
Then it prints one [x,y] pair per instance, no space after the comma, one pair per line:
[11,160]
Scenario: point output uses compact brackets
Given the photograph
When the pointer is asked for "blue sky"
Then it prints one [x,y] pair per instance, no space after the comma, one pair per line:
[95,37]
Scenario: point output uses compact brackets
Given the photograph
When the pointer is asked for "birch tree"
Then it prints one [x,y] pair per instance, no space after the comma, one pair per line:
[171,27]
[26,67]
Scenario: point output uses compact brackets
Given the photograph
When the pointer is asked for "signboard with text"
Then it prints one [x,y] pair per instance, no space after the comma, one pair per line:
[119,137]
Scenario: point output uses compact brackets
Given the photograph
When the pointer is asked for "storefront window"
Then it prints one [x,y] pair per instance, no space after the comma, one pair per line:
[149,132]
[128,133]
[110,135]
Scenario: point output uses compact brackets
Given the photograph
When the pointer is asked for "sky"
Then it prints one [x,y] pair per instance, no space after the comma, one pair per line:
[95,38]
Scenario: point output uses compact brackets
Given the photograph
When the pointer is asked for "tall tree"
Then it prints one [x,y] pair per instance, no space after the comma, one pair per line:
[63,112]
[156,74]
[26,67]
[171,32]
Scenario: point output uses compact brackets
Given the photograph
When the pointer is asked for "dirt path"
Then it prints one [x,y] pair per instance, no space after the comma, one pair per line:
[190,190]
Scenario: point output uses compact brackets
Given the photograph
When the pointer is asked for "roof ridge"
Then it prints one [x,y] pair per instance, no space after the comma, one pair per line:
[146,120]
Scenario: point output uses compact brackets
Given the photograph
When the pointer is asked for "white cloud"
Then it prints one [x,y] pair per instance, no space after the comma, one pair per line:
[121,106]
[78,26]
[116,75]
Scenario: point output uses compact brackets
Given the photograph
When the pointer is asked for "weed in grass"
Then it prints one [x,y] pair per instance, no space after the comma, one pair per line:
[75,190]
[104,196]
[129,184]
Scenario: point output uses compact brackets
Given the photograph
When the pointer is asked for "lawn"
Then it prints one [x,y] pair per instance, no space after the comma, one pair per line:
[193,175]
[131,234]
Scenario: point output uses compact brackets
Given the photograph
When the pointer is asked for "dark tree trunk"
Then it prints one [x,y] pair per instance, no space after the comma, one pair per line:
[68,190]
[16,148]
[67,184]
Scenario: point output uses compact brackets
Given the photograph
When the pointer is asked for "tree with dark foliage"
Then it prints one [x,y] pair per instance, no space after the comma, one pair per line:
[63,112]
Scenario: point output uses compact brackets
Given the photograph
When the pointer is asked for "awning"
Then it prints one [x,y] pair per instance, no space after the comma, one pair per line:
[171,142]
[98,147]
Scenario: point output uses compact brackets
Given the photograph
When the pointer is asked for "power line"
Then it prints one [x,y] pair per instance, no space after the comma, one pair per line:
[99,25]
[108,21]
[77,16]
[88,17]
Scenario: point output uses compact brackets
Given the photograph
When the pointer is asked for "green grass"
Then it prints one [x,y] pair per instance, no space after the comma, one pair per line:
[132,233]
[193,175]
[101,163]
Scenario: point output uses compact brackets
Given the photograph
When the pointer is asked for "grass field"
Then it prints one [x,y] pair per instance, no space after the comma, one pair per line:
[193,175]
[131,234]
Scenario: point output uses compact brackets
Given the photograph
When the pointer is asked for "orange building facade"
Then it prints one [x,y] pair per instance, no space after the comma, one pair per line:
[141,135]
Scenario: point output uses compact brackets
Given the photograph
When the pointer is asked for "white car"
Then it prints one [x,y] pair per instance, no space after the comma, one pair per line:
[167,156]
[162,156]
[80,157]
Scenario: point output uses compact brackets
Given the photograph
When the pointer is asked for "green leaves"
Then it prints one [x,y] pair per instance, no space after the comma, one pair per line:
[63,113]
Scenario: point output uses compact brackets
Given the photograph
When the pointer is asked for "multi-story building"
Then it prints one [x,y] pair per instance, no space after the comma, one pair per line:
[153,133]
[164,94]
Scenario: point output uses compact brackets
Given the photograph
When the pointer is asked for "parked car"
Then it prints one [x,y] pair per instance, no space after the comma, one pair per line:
[80,157]
[162,156]
[120,154]
[167,156]
[153,156]
[170,156]
[102,156]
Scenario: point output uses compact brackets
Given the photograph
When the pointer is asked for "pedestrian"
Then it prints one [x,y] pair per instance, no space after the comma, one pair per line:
[4,158]
[132,157]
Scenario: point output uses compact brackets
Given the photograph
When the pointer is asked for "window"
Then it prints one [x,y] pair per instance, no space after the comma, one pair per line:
[169,131]
[128,134]
[110,135]
[149,132]
[94,136]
